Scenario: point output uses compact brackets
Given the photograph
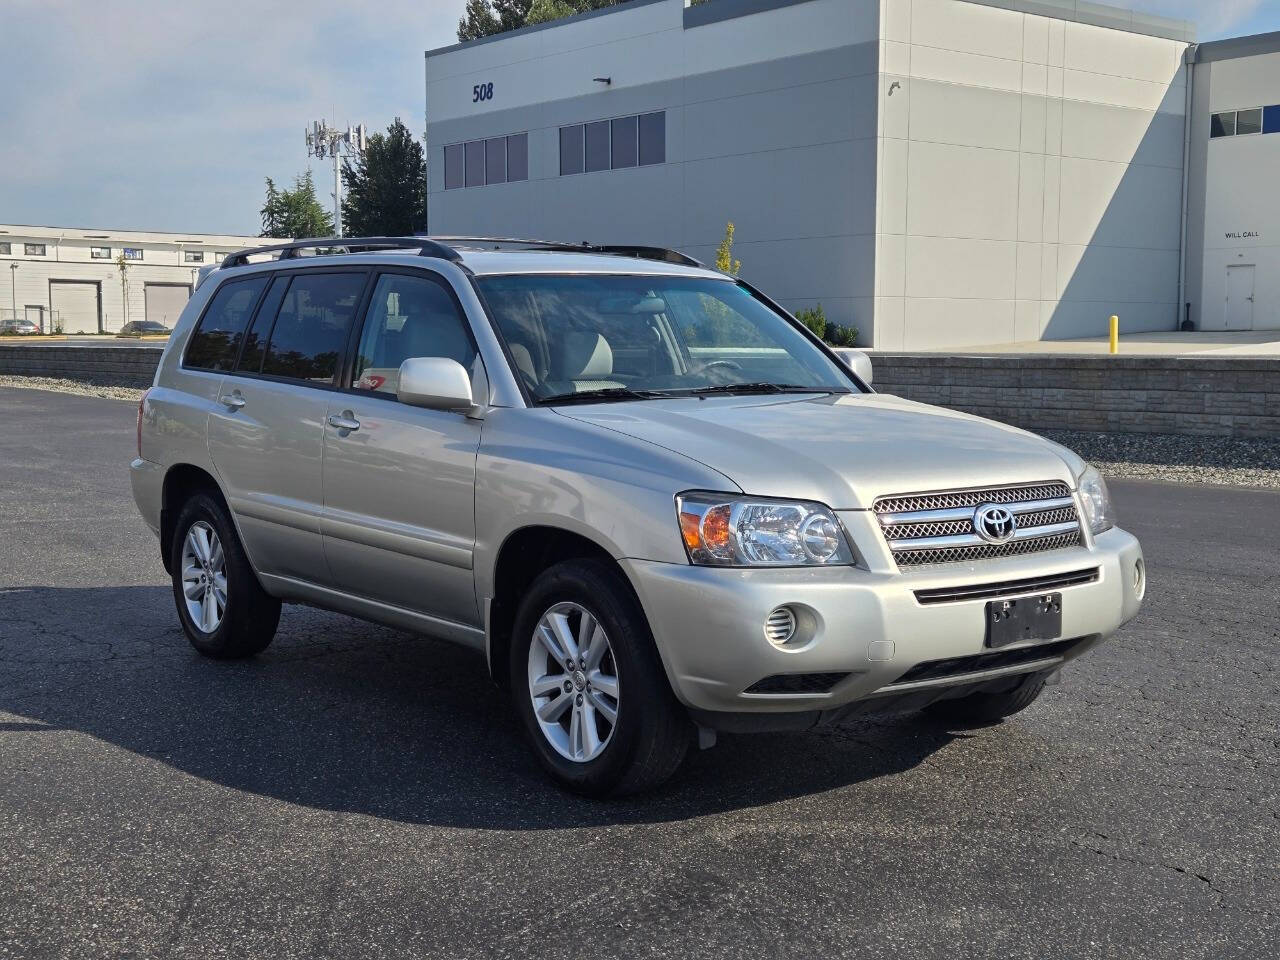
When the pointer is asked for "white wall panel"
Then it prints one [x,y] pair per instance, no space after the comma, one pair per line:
[967,116]
[966,27]
[942,267]
[962,192]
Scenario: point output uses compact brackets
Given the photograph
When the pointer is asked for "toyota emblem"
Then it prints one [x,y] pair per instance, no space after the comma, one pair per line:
[994,523]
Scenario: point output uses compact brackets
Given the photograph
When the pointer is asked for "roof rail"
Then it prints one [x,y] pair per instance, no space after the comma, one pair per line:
[426,247]
[555,246]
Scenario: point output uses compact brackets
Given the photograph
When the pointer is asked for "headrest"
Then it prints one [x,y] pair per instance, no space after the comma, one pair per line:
[585,356]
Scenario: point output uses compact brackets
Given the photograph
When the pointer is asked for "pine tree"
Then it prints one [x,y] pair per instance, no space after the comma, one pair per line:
[289,214]
[386,186]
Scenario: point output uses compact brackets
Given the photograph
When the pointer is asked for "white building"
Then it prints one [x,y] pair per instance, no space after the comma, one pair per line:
[935,172]
[70,279]
[1233,244]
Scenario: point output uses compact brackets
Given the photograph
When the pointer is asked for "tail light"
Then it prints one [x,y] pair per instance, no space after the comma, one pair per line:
[141,403]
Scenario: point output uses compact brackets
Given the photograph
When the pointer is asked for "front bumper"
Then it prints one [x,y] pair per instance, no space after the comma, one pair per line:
[708,623]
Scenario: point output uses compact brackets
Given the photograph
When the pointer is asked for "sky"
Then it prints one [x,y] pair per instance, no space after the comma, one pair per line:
[156,115]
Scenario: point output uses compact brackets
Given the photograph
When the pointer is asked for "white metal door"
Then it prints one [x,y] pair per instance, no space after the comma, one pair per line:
[75,304]
[1239,309]
[165,301]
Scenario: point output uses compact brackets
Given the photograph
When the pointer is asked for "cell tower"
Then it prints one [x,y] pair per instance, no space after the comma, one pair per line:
[326,141]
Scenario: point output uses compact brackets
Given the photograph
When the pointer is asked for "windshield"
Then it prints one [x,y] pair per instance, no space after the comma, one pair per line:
[625,337]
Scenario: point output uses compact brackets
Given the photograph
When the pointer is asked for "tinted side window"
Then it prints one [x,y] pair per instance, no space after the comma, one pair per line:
[216,342]
[255,342]
[408,317]
[311,327]
[597,146]
[653,138]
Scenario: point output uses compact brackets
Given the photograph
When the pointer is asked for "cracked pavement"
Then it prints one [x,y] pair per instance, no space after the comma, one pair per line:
[359,792]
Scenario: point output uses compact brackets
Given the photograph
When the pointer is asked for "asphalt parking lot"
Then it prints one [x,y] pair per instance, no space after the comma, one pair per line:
[358,792]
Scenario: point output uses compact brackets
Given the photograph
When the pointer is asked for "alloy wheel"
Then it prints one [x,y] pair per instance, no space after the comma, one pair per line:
[204,577]
[573,682]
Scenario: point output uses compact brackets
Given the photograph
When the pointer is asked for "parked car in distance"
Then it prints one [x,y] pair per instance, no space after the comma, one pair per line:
[19,327]
[139,328]
[654,501]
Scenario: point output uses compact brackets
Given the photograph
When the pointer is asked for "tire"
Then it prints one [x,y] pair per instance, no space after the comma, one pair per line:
[245,622]
[650,734]
[983,709]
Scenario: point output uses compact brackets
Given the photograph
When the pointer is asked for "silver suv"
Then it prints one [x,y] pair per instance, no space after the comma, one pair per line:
[654,501]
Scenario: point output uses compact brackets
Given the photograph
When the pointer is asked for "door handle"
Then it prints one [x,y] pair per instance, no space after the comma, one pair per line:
[344,422]
[232,401]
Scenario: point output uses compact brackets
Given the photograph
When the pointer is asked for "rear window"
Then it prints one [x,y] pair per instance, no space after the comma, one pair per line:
[216,341]
[310,331]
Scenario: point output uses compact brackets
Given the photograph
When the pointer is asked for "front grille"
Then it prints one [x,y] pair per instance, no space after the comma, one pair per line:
[938,527]
[796,683]
[1007,588]
[975,663]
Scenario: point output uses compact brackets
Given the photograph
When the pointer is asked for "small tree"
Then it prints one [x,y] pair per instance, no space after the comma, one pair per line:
[724,253]
[815,318]
[295,213]
[386,186]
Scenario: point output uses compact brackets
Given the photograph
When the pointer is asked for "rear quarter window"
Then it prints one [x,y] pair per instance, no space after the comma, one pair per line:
[216,341]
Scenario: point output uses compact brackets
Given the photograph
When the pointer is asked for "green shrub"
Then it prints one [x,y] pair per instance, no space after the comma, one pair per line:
[839,336]
[815,318]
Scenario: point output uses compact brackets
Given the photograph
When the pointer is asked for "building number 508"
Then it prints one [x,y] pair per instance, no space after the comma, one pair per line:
[481,91]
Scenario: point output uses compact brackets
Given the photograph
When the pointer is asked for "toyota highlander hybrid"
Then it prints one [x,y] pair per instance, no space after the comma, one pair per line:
[656,503]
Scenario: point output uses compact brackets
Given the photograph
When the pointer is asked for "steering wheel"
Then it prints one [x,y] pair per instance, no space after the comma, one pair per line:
[727,364]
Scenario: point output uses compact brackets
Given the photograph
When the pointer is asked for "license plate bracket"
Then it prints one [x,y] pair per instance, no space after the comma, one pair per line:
[1024,619]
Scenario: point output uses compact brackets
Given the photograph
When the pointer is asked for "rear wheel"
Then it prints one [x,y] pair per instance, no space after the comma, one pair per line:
[980,709]
[225,613]
[589,685]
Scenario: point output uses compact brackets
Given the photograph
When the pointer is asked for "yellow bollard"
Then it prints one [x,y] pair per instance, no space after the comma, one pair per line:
[1115,334]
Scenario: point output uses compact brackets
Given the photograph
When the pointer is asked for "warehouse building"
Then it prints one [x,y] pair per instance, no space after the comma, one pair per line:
[936,173]
[94,281]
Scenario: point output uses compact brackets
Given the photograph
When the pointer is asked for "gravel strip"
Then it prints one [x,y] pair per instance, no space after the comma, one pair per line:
[1141,456]
[1182,459]
[108,389]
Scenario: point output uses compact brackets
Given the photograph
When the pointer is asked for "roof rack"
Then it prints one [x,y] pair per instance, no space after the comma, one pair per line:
[556,246]
[426,247]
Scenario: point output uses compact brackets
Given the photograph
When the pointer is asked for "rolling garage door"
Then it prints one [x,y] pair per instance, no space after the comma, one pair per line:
[75,305]
[165,301]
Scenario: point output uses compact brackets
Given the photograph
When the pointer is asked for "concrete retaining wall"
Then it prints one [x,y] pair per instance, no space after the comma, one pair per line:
[127,366]
[1217,397]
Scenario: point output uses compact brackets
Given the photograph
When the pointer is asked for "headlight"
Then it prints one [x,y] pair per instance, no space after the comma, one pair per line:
[1096,500]
[730,531]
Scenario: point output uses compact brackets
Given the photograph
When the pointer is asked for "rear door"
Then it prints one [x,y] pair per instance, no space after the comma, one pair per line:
[399,486]
[266,437]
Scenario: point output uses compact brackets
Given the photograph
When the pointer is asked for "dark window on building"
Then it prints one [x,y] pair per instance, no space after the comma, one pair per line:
[495,160]
[100,253]
[597,136]
[624,142]
[33,249]
[193,256]
[571,149]
[653,138]
[1223,124]
[216,341]
[518,157]
[475,163]
[1248,121]
[255,341]
[1271,119]
[5,249]
[311,328]
[133,253]
[454,165]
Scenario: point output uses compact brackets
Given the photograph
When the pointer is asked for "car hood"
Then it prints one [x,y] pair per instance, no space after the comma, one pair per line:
[841,450]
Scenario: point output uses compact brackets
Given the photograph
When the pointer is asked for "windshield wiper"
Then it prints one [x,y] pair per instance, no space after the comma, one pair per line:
[604,393]
[761,387]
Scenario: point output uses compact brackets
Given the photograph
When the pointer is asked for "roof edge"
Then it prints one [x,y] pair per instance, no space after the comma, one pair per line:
[1235,47]
[534,28]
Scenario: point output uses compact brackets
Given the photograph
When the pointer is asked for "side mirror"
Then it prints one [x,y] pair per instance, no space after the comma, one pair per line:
[857,361]
[436,383]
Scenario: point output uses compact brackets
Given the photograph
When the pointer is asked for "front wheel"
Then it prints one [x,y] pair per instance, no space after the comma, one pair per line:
[589,685]
[981,709]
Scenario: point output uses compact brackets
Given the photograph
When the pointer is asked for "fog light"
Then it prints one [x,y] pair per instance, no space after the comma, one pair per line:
[780,627]
[1139,579]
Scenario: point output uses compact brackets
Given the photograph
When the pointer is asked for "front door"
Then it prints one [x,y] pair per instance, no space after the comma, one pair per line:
[266,437]
[1239,311]
[399,481]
